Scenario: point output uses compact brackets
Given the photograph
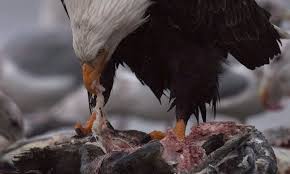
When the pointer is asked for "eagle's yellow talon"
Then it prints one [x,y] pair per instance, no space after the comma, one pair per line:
[179,129]
[157,135]
[84,131]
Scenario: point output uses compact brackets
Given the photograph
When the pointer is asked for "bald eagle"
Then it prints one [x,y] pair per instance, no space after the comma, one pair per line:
[175,45]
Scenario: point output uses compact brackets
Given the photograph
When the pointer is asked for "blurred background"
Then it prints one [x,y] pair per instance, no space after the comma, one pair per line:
[41,75]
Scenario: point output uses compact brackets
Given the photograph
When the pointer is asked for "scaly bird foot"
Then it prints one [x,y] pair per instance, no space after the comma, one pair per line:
[87,129]
[179,129]
[179,132]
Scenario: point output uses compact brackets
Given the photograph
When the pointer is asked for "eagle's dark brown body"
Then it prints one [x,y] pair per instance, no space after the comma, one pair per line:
[183,44]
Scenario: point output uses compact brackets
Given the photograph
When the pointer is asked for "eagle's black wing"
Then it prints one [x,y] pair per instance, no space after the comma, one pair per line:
[183,43]
[241,27]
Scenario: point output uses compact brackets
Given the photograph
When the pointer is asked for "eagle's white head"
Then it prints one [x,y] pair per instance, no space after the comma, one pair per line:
[100,25]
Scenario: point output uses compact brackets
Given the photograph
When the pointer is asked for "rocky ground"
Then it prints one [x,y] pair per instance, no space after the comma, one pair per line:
[220,147]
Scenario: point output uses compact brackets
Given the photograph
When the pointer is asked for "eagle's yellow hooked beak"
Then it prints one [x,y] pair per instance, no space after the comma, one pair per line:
[92,71]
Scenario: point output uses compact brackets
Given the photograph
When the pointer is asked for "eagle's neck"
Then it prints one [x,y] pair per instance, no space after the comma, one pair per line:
[103,23]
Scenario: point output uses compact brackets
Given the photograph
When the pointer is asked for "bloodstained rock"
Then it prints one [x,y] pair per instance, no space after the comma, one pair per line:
[218,147]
